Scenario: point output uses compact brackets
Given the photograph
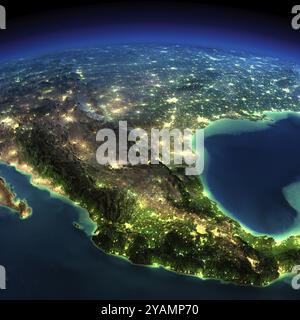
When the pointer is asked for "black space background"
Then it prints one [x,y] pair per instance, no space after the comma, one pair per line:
[263,18]
[17,9]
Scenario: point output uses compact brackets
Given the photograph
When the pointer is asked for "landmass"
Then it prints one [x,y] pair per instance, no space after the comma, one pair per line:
[8,199]
[53,106]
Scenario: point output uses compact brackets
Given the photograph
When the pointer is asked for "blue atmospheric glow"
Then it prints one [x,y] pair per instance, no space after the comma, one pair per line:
[45,42]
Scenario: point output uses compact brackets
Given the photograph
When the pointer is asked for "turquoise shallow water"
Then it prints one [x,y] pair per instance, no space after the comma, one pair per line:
[252,171]
[47,257]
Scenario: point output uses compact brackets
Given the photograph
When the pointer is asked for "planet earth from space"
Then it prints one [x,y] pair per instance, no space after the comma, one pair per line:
[237,222]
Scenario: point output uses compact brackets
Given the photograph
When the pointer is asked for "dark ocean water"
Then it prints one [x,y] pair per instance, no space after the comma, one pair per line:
[249,173]
[47,257]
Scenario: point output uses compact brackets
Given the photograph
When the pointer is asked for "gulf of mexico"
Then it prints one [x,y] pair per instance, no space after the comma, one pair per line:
[248,168]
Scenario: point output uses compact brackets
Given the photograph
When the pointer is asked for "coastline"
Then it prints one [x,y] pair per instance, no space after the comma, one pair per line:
[84,219]
[221,127]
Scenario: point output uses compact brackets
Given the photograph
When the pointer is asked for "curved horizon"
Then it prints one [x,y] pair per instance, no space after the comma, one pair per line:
[208,26]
